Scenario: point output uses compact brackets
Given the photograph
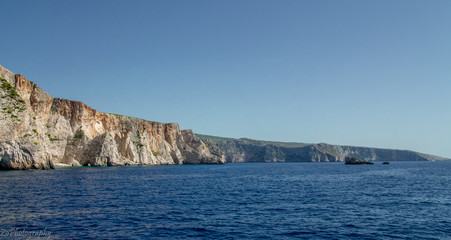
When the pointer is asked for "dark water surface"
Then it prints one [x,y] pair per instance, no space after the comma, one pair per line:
[402,200]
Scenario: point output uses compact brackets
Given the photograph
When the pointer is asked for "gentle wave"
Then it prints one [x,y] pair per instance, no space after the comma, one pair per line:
[403,200]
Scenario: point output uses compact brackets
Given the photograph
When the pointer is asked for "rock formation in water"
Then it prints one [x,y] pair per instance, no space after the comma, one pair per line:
[38,131]
[356,161]
[249,150]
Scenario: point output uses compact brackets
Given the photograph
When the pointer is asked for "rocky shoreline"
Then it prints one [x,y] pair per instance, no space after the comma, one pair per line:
[38,131]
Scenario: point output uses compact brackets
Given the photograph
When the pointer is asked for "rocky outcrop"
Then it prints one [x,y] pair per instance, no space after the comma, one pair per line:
[248,150]
[356,161]
[14,156]
[198,152]
[38,131]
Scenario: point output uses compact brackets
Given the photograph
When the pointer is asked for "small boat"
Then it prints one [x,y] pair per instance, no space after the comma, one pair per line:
[385,163]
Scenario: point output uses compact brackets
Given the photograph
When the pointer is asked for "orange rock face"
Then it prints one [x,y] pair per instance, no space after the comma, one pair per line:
[38,132]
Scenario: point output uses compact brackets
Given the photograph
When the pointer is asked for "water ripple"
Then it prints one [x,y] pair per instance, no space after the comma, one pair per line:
[409,200]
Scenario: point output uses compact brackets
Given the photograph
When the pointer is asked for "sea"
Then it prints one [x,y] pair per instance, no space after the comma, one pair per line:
[401,200]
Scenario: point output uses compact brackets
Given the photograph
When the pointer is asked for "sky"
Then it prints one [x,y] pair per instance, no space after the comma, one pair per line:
[348,72]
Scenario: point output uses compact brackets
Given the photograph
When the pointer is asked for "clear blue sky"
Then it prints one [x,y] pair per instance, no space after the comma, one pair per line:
[365,73]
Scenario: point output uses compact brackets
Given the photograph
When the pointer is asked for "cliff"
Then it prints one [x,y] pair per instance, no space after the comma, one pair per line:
[249,150]
[38,131]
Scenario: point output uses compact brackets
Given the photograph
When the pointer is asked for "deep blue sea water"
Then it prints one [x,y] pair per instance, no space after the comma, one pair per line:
[402,200]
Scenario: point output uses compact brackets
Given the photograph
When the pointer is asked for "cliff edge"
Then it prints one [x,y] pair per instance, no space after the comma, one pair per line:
[38,131]
[250,150]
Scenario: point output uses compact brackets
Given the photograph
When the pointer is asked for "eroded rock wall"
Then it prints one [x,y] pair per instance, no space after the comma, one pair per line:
[38,131]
